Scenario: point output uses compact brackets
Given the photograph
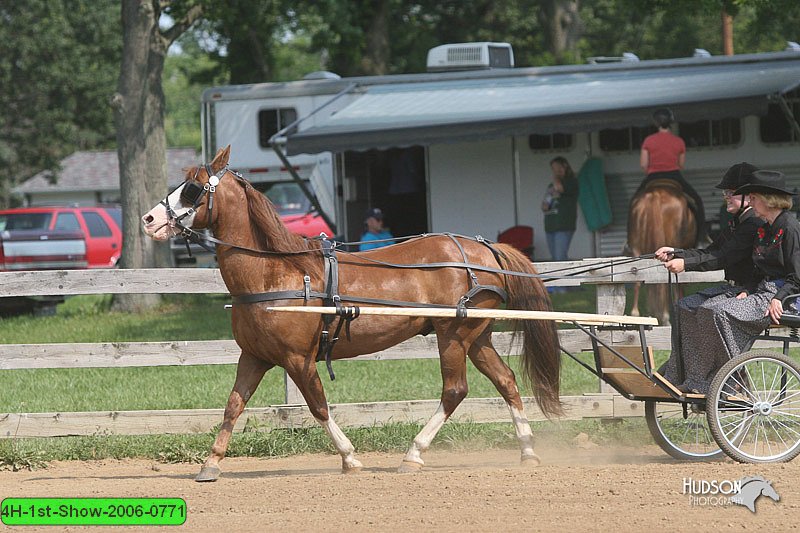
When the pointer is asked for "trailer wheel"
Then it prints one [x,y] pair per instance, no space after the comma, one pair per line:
[753,407]
[686,439]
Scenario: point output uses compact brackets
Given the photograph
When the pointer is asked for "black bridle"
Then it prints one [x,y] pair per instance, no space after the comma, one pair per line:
[193,194]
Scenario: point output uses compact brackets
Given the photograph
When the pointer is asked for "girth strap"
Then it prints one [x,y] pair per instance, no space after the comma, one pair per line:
[331,298]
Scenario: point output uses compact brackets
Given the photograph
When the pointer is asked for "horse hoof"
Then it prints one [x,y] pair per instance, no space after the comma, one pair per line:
[351,469]
[530,461]
[208,473]
[408,467]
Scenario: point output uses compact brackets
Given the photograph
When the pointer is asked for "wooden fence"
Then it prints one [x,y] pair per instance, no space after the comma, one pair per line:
[610,282]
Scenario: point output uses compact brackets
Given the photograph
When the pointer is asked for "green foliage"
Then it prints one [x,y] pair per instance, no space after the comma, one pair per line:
[58,70]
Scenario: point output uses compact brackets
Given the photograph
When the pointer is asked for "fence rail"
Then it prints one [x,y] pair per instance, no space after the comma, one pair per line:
[610,280]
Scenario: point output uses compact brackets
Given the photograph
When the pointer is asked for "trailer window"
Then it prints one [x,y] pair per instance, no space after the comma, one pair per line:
[624,139]
[554,141]
[725,132]
[774,127]
[271,121]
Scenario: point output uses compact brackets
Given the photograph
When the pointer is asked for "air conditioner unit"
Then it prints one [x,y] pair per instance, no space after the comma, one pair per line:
[470,56]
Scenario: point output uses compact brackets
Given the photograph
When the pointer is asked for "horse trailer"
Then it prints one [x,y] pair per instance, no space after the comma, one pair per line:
[467,149]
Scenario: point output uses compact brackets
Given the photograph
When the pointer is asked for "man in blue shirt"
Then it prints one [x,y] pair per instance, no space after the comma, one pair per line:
[373,220]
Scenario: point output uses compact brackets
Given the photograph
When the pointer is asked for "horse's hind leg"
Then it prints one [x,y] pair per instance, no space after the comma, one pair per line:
[249,373]
[485,358]
[303,372]
[635,308]
[453,343]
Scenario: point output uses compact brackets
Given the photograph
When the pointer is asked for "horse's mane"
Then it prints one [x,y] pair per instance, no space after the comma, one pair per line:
[271,234]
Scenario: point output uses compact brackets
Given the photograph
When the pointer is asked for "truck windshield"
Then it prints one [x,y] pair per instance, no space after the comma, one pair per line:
[21,221]
[287,198]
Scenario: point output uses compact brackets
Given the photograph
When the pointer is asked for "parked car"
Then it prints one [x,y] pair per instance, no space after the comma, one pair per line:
[292,205]
[56,238]
[100,226]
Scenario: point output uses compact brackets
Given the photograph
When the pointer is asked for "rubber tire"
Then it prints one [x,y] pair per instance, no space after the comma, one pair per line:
[675,451]
[712,405]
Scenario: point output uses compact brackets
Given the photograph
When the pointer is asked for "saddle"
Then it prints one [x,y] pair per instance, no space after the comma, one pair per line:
[671,184]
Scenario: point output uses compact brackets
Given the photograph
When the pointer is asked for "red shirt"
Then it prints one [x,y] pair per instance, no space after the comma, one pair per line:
[663,149]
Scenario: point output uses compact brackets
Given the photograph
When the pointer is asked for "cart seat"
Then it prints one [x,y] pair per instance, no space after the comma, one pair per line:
[629,380]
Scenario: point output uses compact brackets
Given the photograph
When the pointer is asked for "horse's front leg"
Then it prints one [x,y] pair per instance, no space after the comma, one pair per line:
[249,373]
[303,372]
[453,362]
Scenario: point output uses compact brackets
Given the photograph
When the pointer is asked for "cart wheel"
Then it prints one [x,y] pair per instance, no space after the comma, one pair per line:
[687,439]
[753,407]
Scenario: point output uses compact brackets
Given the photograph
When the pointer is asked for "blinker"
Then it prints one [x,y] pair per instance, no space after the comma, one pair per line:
[191,192]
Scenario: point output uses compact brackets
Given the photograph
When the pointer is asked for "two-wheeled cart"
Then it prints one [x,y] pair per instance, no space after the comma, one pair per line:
[752,411]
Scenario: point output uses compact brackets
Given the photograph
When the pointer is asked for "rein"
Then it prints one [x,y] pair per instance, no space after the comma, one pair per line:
[194,194]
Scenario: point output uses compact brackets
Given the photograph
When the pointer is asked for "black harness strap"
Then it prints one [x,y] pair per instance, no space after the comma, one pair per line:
[331,298]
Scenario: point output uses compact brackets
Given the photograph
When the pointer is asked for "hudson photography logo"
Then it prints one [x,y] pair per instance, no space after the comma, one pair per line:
[726,492]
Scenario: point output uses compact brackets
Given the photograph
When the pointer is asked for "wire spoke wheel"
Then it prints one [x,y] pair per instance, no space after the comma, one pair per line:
[753,407]
[687,438]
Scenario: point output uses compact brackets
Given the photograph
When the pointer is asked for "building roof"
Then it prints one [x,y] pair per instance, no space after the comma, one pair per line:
[568,99]
[99,171]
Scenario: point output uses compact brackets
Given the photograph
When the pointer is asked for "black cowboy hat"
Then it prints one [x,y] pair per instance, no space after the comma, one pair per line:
[736,176]
[765,181]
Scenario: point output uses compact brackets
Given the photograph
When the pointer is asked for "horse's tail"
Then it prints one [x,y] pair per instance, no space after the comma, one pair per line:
[541,355]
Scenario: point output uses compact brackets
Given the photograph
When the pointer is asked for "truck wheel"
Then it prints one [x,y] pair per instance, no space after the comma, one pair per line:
[753,407]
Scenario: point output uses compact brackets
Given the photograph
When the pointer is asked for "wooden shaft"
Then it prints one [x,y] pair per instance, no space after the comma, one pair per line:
[478,313]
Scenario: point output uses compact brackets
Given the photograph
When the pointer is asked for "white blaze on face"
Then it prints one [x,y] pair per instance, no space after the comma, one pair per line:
[156,222]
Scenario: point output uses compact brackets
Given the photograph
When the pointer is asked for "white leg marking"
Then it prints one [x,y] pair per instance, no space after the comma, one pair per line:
[423,440]
[342,444]
[524,433]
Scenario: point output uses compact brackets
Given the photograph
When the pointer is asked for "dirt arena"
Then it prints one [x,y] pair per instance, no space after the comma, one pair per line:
[577,488]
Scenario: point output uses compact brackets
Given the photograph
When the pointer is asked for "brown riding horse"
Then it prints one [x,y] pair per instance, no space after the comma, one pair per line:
[659,216]
[276,260]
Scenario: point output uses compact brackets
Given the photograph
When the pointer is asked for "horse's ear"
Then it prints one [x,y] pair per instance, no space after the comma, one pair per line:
[221,159]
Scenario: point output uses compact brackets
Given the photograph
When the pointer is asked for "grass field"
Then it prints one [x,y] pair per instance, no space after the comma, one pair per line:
[202,317]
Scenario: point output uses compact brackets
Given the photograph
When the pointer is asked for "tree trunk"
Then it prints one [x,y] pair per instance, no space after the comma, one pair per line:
[376,55]
[141,141]
[561,20]
[727,33]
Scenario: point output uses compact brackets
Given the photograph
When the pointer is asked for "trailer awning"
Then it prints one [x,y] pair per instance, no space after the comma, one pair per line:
[551,100]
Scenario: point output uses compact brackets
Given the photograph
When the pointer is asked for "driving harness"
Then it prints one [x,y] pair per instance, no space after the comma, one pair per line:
[193,194]
[331,297]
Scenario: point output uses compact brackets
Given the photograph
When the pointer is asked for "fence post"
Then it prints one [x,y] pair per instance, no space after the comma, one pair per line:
[292,394]
[610,300]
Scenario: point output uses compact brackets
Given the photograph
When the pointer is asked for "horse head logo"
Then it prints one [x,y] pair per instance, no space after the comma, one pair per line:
[752,488]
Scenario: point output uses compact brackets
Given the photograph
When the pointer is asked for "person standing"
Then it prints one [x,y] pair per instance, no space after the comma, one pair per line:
[663,156]
[375,232]
[560,206]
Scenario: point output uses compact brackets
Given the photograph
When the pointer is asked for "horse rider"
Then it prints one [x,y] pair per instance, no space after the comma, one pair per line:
[663,156]
[732,251]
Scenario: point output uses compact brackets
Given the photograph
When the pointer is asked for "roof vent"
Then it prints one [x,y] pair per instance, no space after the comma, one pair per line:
[626,57]
[701,52]
[322,75]
[470,56]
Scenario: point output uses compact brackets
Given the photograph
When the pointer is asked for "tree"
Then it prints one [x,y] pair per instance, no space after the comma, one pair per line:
[58,64]
[139,115]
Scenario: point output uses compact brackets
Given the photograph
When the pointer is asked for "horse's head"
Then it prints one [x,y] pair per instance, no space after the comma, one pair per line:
[190,204]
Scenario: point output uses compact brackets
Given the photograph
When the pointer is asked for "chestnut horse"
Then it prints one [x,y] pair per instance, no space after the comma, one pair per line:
[659,216]
[257,255]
